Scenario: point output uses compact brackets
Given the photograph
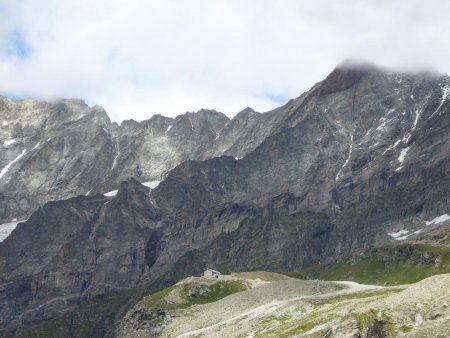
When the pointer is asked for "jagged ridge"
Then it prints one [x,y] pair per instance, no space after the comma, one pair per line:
[312,185]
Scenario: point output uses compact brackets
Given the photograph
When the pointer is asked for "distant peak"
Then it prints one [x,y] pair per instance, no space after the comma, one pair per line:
[345,75]
[204,110]
[158,117]
[247,110]
[357,64]
[246,113]
[208,112]
[360,65]
[72,102]
[129,123]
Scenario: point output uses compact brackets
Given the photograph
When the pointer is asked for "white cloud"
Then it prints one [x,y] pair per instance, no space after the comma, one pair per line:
[137,58]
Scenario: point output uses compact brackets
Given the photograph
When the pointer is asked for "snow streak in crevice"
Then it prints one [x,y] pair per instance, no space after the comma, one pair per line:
[168,129]
[445,95]
[347,160]
[5,169]
[117,155]
[115,160]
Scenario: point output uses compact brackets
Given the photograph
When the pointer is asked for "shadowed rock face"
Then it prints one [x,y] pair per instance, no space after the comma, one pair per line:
[76,248]
[360,154]
[62,149]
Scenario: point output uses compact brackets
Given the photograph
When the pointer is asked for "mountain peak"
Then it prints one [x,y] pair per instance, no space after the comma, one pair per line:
[247,110]
[345,75]
[357,64]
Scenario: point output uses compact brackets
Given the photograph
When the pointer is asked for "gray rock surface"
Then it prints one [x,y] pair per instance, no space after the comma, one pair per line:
[331,172]
[57,150]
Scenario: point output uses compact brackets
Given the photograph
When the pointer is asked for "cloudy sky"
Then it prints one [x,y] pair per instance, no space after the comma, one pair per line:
[138,58]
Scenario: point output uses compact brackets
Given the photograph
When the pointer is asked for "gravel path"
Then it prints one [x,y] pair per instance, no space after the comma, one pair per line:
[246,306]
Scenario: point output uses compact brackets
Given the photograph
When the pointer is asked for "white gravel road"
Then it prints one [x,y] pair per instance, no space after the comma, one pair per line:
[261,301]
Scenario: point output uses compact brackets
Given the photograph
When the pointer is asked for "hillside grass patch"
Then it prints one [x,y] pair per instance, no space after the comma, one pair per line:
[392,265]
[219,290]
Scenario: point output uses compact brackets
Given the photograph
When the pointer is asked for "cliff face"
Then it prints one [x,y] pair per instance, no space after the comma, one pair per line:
[47,152]
[363,153]
[58,150]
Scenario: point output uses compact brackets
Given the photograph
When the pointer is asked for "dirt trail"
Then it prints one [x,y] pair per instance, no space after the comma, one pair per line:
[350,287]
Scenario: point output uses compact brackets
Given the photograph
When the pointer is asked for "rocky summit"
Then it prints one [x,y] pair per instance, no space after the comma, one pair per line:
[109,213]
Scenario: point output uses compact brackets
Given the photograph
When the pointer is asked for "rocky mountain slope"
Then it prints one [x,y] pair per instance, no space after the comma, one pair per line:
[57,150]
[273,306]
[362,155]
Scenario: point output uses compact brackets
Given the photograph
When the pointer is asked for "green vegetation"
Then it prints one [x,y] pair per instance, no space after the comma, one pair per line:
[325,312]
[96,317]
[156,299]
[268,320]
[378,322]
[392,265]
[303,325]
[219,290]
[405,328]
[358,296]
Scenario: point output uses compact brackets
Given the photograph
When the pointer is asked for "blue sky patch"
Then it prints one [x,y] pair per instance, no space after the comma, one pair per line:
[13,96]
[18,45]
[276,98]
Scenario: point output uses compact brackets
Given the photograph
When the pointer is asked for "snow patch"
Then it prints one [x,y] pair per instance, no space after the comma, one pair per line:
[402,238]
[115,160]
[403,153]
[5,169]
[168,129]
[382,126]
[347,160]
[416,120]
[391,147]
[6,229]
[5,123]
[87,194]
[9,142]
[111,193]
[36,146]
[445,94]
[151,184]
[438,220]
[401,157]
[398,234]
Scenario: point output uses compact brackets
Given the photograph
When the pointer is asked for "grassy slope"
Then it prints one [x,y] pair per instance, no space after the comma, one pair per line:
[219,290]
[390,265]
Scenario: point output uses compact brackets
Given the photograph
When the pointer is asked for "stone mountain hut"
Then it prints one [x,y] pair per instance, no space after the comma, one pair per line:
[210,273]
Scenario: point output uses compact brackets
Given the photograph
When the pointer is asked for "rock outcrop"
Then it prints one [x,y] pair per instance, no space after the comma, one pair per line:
[331,172]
